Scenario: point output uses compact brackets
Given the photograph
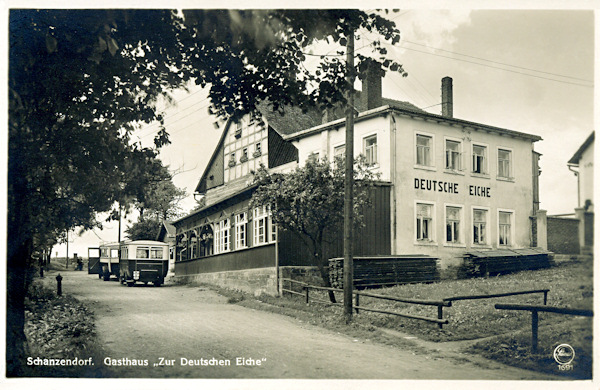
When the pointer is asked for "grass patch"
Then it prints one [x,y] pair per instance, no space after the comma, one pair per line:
[60,328]
[570,286]
[515,349]
[507,333]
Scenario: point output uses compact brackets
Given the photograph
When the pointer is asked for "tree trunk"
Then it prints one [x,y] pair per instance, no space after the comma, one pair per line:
[18,252]
[16,342]
[324,271]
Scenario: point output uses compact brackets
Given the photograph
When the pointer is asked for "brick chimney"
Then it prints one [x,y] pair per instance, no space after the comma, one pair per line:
[371,86]
[447,96]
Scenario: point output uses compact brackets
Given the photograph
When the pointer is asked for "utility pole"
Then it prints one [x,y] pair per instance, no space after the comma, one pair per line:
[349,181]
[67,258]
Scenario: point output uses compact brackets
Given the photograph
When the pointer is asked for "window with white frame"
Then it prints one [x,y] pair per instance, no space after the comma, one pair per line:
[504,163]
[479,159]
[424,222]
[424,150]
[260,221]
[273,230]
[453,154]
[479,226]
[453,214]
[505,228]
[339,151]
[238,129]
[240,230]
[370,149]
[222,236]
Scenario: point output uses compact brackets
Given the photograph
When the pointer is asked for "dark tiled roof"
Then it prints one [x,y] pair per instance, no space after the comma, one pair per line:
[291,120]
[400,105]
[169,227]
[577,156]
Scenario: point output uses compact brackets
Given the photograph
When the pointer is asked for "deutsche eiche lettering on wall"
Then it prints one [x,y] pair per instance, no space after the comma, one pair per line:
[450,187]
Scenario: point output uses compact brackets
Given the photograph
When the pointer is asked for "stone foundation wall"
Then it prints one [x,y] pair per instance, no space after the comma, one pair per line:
[255,281]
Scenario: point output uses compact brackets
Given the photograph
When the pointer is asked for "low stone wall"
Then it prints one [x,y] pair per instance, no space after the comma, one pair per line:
[255,281]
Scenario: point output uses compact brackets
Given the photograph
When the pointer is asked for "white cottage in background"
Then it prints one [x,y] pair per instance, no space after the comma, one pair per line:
[582,163]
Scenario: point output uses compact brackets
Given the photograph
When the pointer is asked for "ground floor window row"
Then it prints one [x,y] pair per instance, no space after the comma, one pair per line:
[245,229]
[460,226]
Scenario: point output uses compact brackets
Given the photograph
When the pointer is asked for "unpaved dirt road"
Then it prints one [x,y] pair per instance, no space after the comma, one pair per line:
[176,325]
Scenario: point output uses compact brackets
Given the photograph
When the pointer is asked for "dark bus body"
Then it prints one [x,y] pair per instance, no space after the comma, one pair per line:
[94,261]
[144,262]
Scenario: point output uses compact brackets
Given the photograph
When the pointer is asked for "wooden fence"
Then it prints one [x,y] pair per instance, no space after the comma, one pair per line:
[306,288]
[446,302]
[534,316]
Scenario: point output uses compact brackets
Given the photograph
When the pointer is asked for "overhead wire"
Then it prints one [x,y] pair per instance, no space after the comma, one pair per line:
[497,67]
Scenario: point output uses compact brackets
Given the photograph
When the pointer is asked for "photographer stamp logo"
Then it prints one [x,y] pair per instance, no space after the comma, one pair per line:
[564,355]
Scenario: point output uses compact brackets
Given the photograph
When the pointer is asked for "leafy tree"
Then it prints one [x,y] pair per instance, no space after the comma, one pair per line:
[252,51]
[81,81]
[144,229]
[159,198]
[309,202]
[157,201]
[77,88]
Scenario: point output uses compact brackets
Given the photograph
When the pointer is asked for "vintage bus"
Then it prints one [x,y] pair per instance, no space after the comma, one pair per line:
[144,261]
[94,266]
[109,260]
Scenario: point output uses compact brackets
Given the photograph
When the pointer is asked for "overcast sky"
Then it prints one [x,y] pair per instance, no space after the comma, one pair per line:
[529,71]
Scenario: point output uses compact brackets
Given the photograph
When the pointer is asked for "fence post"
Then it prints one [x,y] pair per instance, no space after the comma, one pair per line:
[440,314]
[59,285]
[356,302]
[545,297]
[534,331]
[306,289]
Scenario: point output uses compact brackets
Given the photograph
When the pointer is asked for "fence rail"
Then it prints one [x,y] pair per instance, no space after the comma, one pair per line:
[306,293]
[534,316]
[446,302]
[485,296]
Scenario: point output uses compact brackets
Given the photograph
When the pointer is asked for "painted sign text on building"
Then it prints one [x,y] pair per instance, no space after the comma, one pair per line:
[450,187]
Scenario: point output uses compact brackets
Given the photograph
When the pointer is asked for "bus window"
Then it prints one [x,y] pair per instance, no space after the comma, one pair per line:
[156,253]
[142,253]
